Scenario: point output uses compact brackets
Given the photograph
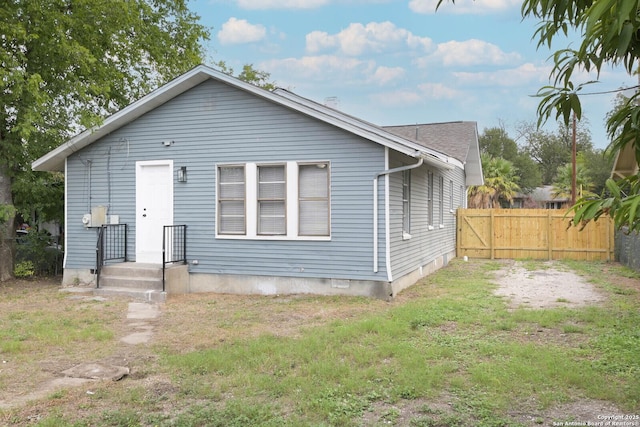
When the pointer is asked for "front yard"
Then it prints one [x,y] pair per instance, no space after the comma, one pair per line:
[446,352]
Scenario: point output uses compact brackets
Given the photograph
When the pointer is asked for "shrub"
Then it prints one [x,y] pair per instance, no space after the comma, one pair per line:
[36,248]
[24,269]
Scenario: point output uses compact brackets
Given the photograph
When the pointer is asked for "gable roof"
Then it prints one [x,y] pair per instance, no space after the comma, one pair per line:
[625,164]
[55,159]
[456,139]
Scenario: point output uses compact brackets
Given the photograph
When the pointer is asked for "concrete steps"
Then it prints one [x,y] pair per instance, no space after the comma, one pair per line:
[136,280]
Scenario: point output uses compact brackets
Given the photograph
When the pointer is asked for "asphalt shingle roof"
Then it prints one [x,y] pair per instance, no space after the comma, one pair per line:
[451,138]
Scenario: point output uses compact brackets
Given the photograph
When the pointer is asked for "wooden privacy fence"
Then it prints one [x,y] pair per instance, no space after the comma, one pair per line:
[531,233]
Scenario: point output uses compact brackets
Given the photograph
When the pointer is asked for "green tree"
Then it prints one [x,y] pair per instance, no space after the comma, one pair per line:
[500,184]
[550,150]
[248,74]
[496,142]
[66,64]
[598,165]
[562,183]
[609,31]
[528,172]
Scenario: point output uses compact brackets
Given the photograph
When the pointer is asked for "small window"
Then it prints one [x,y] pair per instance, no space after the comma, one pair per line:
[406,202]
[231,200]
[272,192]
[451,195]
[441,199]
[430,197]
[463,195]
[313,199]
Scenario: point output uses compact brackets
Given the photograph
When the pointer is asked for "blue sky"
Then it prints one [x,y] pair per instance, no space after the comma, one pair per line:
[395,62]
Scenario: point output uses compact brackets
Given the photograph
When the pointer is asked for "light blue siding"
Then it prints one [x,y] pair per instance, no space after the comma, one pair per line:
[425,245]
[211,124]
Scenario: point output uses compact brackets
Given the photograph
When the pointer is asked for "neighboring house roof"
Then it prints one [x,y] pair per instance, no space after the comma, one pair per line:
[545,194]
[456,139]
[625,164]
[54,160]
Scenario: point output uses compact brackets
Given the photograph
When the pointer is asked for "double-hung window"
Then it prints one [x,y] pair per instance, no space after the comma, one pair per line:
[313,199]
[441,200]
[406,202]
[272,198]
[451,196]
[274,201]
[231,200]
[430,198]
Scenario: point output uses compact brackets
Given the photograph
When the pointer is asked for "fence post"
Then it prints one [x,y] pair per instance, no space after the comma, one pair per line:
[458,232]
[492,234]
[549,236]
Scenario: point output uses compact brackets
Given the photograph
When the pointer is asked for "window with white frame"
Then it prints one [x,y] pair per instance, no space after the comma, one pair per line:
[406,202]
[463,196]
[441,199]
[231,200]
[451,195]
[313,199]
[286,200]
[430,198]
[272,200]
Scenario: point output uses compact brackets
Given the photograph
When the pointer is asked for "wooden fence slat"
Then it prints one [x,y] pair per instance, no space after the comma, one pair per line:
[532,233]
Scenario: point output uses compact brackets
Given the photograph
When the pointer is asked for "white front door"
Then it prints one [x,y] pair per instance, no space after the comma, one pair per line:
[154,207]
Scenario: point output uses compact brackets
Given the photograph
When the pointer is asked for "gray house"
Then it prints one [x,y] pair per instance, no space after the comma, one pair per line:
[266,191]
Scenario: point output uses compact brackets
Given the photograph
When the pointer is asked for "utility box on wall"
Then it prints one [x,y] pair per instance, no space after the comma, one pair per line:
[97,217]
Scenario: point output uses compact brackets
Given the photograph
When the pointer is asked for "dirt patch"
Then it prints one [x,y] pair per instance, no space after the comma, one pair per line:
[191,322]
[546,286]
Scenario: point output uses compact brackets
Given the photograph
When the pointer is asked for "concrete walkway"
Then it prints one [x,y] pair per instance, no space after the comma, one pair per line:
[139,315]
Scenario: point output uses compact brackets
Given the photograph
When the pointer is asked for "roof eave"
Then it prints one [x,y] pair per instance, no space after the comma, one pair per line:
[55,159]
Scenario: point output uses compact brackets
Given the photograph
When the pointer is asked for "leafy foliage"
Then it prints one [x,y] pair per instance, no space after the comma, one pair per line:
[496,142]
[249,74]
[562,183]
[67,64]
[610,37]
[500,183]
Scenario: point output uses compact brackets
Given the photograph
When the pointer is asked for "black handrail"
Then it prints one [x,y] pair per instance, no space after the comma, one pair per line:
[111,246]
[174,247]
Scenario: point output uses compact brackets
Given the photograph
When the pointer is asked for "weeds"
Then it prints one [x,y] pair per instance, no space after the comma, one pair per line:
[452,339]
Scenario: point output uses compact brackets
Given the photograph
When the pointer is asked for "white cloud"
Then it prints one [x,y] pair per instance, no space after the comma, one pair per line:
[469,52]
[424,93]
[358,39]
[384,75]
[324,67]
[519,76]
[463,6]
[438,91]
[239,31]
[281,4]
[319,40]
[398,98]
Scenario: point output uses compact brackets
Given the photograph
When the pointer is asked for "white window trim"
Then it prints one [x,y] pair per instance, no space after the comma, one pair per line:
[251,203]
[441,200]
[406,183]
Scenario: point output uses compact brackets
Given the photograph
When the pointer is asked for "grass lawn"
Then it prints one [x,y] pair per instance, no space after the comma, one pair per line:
[446,352]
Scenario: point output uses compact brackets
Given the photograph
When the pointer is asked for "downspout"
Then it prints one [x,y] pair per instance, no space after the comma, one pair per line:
[375,209]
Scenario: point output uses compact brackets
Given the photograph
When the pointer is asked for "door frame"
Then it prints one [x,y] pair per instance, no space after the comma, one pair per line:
[139,190]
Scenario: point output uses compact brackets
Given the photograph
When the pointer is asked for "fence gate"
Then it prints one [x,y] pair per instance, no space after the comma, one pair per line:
[531,234]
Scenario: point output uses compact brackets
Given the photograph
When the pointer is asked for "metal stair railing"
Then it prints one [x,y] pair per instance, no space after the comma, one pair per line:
[174,247]
[111,246]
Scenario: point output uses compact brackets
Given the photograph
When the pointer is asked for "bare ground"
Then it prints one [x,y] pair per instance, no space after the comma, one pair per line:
[548,286]
[26,386]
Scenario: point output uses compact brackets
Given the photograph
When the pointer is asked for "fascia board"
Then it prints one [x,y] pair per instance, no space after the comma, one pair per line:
[54,160]
[362,128]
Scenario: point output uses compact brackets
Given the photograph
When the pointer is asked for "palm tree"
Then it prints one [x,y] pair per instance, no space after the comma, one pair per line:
[562,182]
[500,183]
